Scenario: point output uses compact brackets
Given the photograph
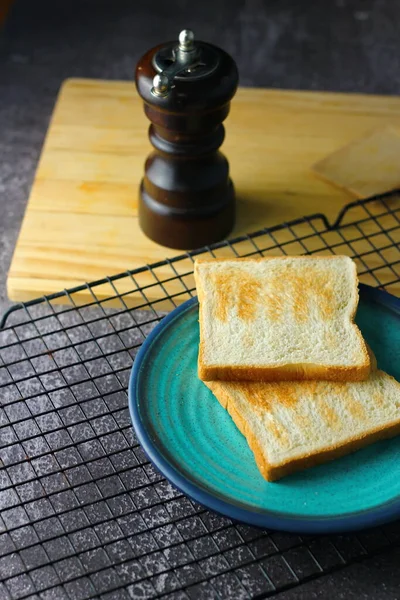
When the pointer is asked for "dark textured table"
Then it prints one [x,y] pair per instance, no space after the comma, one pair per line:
[342,46]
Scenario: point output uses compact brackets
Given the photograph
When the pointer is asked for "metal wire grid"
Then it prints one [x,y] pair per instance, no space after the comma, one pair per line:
[83,512]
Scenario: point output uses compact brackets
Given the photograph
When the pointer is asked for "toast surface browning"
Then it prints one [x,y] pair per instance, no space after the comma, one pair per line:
[282,318]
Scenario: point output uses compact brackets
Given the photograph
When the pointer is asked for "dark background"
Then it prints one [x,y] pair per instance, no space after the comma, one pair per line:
[316,44]
[323,45]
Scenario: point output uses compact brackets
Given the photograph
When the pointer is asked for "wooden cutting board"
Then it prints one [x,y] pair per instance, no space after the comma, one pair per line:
[81,220]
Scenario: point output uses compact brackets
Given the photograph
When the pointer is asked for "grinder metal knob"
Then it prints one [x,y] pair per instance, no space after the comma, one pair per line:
[160,85]
[186,39]
[184,59]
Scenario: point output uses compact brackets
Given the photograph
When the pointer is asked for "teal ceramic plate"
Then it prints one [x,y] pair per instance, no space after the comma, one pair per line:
[195,444]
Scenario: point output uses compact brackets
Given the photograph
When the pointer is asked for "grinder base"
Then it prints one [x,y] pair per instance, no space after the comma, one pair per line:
[184,230]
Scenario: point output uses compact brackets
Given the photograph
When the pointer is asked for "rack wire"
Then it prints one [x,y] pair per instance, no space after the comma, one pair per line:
[84,514]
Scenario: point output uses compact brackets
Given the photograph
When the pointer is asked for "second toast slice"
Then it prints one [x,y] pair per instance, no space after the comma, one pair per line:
[291,426]
[280,318]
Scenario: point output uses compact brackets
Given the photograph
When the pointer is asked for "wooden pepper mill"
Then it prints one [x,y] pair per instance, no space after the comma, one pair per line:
[186,196]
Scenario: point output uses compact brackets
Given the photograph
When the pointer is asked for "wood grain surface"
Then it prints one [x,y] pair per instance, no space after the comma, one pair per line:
[376,154]
[81,220]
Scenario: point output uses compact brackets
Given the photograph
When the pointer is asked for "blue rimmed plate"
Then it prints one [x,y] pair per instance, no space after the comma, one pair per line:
[195,444]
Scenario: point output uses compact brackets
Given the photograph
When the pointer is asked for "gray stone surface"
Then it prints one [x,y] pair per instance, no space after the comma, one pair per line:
[338,45]
[345,45]
[377,578]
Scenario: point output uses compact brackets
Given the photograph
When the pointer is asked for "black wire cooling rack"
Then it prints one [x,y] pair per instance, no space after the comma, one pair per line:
[83,512]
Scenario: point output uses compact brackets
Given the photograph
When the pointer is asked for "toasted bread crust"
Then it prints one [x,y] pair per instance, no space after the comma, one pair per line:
[289,372]
[264,258]
[275,472]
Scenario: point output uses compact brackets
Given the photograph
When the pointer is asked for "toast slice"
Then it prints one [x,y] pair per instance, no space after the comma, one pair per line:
[293,426]
[281,318]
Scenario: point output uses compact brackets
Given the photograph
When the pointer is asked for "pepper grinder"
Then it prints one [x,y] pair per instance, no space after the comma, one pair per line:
[186,196]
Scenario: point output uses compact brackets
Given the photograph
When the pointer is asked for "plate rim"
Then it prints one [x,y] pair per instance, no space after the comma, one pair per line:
[380,514]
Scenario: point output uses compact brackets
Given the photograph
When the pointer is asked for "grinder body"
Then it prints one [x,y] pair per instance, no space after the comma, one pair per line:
[186,197]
